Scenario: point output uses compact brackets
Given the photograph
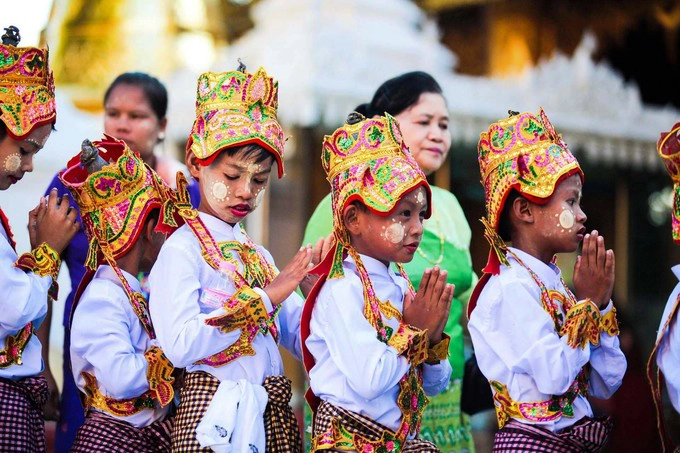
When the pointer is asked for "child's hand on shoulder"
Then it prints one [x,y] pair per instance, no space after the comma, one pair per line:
[53,221]
[430,308]
[594,271]
[290,276]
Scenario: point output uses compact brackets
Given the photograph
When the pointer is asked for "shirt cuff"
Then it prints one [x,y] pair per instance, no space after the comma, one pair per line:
[608,308]
[265,299]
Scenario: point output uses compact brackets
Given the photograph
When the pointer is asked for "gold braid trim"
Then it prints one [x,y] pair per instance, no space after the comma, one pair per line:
[159,375]
[121,408]
[495,241]
[14,347]
[42,261]
[582,325]
[609,324]
[411,341]
[440,351]
[244,308]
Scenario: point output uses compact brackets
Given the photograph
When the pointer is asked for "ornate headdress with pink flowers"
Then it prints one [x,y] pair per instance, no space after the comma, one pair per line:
[26,86]
[236,108]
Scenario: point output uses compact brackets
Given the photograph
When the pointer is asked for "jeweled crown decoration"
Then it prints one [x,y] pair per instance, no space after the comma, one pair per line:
[236,108]
[525,153]
[115,200]
[668,147]
[26,86]
[367,160]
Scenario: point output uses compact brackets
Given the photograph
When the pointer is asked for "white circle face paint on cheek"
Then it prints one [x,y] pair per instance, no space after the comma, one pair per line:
[259,198]
[567,219]
[12,162]
[394,233]
[219,191]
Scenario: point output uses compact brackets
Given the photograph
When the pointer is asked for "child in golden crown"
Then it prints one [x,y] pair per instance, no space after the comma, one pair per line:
[665,358]
[543,348]
[373,348]
[125,379]
[27,116]
[223,311]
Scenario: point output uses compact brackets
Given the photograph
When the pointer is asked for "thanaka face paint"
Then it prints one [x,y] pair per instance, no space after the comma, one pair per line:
[567,219]
[395,233]
[12,163]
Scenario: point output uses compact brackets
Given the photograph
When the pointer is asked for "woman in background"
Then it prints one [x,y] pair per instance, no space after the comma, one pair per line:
[415,99]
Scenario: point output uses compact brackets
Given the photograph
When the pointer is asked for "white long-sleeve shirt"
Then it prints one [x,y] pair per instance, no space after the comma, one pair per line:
[354,369]
[108,341]
[668,352]
[516,343]
[24,300]
[177,281]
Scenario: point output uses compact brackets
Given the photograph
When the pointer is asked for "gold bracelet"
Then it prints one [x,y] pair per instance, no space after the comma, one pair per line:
[43,261]
[609,324]
[440,351]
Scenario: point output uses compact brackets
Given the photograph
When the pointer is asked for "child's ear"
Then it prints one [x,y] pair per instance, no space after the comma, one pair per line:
[350,217]
[149,228]
[523,210]
[192,164]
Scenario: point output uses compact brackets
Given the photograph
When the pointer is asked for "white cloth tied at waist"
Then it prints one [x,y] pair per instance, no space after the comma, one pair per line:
[234,420]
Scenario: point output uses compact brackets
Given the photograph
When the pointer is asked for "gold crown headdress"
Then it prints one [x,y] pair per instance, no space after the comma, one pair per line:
[668,147]
[115,191]
[236,108]
[367,160]
[26,86]
[524,153]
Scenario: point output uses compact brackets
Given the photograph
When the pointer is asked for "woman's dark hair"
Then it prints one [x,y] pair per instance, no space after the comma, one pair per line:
[399,93]
[153,89]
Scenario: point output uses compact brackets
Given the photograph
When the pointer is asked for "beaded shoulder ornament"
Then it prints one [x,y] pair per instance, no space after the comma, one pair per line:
[26,86]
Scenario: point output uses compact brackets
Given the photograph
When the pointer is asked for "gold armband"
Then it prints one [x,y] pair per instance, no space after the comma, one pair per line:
[410,341]
[440,351]
[609,323]
[42,261]
[159,375]
[582,325]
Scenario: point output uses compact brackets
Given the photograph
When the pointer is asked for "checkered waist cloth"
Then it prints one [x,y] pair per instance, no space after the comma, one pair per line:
[281,428]
[22,426]
[338,429]
[588,435]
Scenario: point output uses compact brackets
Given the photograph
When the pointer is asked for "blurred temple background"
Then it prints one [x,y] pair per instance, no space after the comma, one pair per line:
[605,71]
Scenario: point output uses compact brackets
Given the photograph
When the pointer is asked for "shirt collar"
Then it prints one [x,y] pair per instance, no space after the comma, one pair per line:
[216,225]
[376,268]
[546,272]
[676,271]
[106,272]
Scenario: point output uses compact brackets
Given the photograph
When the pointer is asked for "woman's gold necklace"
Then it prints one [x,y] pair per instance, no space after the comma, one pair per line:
[441,243]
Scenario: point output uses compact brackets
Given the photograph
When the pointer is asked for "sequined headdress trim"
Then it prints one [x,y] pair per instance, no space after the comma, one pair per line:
[115,201]
[367,160]
[668,147]
[522,152]
[236,108]
[26,86]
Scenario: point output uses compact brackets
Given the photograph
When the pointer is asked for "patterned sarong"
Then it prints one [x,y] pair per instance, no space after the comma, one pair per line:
[359,424]
[281,428]
[588,435]
[22,426]
[101,432]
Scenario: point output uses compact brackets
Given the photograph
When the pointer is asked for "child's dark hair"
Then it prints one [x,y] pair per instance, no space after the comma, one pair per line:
[258,152]
[504,223]
[153,89]
[399,93]
[3,130]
